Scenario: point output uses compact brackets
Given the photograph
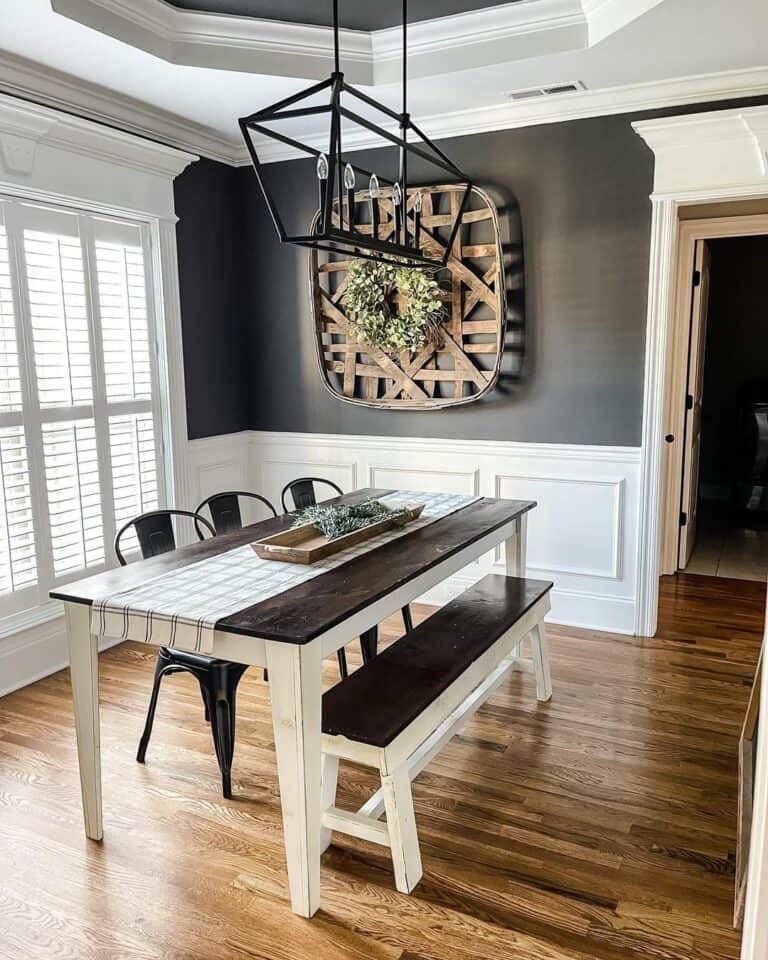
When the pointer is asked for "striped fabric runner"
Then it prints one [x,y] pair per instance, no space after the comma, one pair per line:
[181,608]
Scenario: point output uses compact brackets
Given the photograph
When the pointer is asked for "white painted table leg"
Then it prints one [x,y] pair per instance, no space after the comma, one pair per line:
[295,691]
[515,547]
[330,776]
[84,672]
[540,658]
[401,824]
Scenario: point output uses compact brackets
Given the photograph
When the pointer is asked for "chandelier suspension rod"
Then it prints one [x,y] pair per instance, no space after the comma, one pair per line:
[403,176]
[335,36]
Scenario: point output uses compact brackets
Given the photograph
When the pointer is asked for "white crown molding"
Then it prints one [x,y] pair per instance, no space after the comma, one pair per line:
[34,82]
[30,81]
[724,149]
[500,34]
[41,125]
[581,104]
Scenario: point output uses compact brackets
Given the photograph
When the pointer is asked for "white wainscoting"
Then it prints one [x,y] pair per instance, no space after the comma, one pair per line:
[583,534]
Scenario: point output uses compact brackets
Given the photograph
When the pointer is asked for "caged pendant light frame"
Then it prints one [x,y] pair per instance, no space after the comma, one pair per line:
[335,229]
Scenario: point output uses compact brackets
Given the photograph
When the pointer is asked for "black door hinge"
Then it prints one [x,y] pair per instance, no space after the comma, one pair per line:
[689,401]
[696,278]
[683,519]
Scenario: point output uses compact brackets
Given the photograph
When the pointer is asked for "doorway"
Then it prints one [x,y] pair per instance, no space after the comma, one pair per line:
[724,482]
[715,515]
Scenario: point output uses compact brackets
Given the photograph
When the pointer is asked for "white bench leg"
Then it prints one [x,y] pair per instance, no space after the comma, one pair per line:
[330,776]
[401,824]
[540,659]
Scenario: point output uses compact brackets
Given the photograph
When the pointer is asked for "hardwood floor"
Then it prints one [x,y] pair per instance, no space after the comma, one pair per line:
[600,825]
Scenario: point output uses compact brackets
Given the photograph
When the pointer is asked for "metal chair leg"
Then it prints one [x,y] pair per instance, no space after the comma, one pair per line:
[222,693]
[369,642]
[162,666]
[342,658]
[407,619]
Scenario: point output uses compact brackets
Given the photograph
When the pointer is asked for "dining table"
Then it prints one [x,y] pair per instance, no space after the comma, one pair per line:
[262,614]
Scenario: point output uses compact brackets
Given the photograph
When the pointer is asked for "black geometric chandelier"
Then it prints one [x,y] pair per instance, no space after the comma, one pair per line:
[384,221]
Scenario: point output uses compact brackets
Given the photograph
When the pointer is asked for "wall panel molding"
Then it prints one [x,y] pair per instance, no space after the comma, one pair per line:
[584,539]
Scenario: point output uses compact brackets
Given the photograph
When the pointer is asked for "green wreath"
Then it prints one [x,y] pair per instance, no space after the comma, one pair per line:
[392,308]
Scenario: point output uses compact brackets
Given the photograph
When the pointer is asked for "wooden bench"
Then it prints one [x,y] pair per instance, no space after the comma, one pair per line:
[397,711]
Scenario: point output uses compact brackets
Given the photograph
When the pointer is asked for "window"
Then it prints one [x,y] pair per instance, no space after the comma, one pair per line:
[80,438]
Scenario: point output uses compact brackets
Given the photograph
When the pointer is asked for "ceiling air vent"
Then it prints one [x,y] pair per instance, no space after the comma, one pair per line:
[530,93]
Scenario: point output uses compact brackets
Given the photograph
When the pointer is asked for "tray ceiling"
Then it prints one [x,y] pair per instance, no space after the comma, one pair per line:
[353,14]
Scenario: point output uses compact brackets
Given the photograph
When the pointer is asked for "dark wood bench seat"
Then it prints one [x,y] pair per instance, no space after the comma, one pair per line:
[396,712]
[378,701]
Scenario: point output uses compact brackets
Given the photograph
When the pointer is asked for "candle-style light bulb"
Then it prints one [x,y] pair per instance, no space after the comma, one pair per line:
[374,191]
[322,179]
[397,200]
[349,183]
[417,204]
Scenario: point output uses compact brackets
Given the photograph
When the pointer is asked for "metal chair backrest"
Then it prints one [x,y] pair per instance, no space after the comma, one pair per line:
[303,492]
[225,510]
[154,531]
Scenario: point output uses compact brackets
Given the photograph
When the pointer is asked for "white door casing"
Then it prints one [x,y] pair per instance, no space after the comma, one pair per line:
[707,157]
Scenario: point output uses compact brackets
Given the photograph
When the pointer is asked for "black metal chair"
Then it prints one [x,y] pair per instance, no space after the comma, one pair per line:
[226,517]
[303,494]
[224,508]
[218,679]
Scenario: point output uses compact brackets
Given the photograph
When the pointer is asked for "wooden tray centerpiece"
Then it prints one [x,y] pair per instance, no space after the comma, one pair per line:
[307,543]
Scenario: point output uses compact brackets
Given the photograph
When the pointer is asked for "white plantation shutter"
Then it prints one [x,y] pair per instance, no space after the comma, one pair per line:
[74,495]
[80,445]
[18,558]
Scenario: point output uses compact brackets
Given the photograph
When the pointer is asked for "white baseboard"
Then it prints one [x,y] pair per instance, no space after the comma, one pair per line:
[35,653]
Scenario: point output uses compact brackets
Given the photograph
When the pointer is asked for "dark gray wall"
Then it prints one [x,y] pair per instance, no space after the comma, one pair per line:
[207,196]
[736,351]
[582,190]
[353,14]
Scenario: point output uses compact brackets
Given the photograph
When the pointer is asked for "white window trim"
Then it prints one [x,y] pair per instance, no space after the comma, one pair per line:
[50,157]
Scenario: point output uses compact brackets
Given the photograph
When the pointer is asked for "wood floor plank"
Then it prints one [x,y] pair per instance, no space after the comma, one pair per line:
[599,826]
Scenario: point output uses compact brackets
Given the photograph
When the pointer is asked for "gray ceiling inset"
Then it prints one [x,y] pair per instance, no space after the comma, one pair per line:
[353,14]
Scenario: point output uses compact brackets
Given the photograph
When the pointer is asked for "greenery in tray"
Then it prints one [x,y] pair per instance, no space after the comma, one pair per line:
[336,519]
[393,307]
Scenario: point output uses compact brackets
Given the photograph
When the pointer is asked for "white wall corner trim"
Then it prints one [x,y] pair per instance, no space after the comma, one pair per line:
[709,157]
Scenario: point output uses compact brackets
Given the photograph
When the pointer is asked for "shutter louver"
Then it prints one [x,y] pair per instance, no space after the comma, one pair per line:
[10,384]
[74,495]
[59,319]
[134,469]
[124,328]
[18,560]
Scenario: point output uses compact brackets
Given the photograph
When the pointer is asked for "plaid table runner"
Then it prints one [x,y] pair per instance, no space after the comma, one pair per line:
[182,608]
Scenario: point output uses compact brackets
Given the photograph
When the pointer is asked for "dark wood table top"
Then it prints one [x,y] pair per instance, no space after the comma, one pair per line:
[307,610]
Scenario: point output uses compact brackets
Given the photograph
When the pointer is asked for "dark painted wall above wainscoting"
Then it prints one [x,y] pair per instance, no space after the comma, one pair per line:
[581,191]
[214,332]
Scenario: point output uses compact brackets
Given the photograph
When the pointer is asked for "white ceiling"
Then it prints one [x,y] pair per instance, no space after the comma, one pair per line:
[675,39]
